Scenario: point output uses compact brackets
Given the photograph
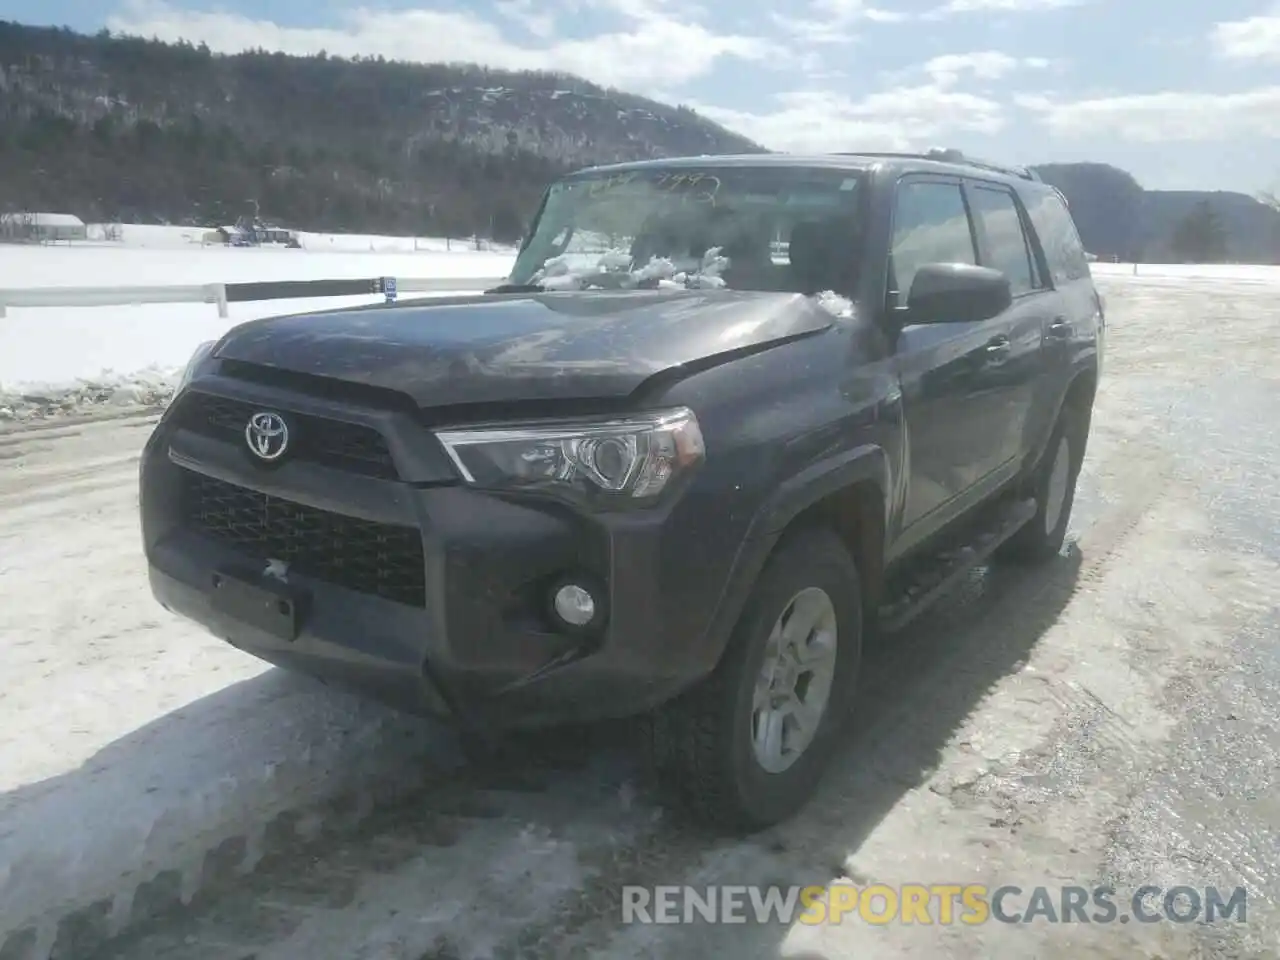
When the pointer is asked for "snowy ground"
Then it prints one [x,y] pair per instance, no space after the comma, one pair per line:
[1110,719]
[1240,272]
[65,360]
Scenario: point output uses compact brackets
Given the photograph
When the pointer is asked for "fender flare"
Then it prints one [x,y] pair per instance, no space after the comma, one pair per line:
[792,497]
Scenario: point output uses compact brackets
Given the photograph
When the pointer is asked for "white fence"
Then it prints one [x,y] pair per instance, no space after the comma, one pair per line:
[221,294]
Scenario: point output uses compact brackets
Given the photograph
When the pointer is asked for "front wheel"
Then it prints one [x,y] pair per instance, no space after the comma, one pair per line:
[746,748]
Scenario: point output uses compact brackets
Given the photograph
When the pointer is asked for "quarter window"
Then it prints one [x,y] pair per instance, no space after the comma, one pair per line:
[930,225]
[1007,249]
[1062,247]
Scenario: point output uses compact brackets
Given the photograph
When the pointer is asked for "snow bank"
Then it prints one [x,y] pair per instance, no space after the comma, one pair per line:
[109,393]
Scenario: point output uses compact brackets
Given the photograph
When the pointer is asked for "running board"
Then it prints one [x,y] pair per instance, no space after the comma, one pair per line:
[940,576]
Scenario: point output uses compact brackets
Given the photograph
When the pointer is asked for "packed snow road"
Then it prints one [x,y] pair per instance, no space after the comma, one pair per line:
[1109,720]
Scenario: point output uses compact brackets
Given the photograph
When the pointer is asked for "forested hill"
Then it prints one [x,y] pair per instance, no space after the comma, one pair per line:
[1118,218]
[133,130]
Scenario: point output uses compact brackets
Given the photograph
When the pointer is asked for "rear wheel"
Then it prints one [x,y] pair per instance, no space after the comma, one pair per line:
[746,748]
[1054,488]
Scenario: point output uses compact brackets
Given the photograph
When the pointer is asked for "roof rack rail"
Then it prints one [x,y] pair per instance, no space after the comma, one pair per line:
[950,155]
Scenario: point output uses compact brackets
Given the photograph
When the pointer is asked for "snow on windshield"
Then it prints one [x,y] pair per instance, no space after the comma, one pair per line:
[614,269]
[834,304]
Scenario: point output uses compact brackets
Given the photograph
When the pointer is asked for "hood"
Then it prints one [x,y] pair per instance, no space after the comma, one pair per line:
[539,347]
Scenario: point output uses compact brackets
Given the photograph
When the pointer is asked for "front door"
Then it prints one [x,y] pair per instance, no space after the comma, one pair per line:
[950,371]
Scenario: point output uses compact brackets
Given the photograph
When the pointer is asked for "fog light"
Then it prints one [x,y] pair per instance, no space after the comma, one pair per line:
[574,605]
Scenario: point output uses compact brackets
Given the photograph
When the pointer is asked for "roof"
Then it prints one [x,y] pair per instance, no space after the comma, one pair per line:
[43,219]
[955,163]
[746,160]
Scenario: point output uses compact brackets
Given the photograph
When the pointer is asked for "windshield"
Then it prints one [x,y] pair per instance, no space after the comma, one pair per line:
[783,229]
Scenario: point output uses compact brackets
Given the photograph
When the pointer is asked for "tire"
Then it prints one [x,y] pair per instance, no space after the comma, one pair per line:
[700,746]
[1054,487]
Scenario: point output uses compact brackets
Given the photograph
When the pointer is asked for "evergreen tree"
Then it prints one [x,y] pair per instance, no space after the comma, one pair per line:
[1200,237]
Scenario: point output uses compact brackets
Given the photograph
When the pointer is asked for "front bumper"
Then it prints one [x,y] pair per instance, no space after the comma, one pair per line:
[473,644]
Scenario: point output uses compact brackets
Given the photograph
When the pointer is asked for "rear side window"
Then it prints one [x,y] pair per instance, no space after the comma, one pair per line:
[1006,242]
[1057,231]
[930,225]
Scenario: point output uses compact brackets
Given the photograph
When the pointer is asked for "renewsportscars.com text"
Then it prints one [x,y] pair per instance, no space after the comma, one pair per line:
[970,904]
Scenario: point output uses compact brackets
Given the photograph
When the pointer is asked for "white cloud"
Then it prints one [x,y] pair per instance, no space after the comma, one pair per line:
[1257,38]
[533,17]
[831,21]
[1167,117]
[949,69]
[820,121]
[653,49]
[1007,6]
[649,48]
[983,64]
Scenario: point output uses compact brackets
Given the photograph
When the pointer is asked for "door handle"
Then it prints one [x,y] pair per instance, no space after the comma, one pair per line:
[1060,328]
[998,348]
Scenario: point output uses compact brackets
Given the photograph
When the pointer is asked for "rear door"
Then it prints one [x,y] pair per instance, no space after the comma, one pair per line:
[1012,369]
[1074,332]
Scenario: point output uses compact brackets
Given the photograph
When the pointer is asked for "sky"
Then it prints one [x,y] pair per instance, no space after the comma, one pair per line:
[1184,94]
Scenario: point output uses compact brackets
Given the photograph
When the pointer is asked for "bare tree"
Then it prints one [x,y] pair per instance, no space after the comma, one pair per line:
[1272,199]
[18,227]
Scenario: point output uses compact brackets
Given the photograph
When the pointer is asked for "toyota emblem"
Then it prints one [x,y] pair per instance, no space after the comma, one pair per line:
[267,435]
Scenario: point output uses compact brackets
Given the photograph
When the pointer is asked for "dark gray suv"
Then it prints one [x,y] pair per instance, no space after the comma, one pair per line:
[724,417]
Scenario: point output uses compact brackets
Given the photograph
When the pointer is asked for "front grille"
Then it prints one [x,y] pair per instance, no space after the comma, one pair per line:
[374,558]
[352,447]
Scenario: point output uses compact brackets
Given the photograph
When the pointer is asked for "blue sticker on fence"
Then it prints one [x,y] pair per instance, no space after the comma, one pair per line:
[389,288]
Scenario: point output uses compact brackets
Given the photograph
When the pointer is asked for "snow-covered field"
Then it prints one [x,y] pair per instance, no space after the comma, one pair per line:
[65,359]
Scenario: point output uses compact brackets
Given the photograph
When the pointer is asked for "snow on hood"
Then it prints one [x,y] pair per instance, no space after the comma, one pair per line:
[835,304]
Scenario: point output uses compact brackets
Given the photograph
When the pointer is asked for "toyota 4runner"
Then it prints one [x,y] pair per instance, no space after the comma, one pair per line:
[676,467]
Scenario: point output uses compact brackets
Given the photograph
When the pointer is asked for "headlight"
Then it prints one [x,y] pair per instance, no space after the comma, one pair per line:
[635,458]
[200,356]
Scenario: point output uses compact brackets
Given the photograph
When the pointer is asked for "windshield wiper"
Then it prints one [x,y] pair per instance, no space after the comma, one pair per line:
[518,288]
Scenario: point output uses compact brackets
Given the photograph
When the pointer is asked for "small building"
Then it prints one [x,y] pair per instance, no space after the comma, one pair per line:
[36,227]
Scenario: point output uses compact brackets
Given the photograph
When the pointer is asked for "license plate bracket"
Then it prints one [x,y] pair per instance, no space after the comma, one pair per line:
[267,605]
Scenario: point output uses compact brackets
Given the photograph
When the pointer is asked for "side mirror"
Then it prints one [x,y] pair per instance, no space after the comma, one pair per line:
[957,293]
